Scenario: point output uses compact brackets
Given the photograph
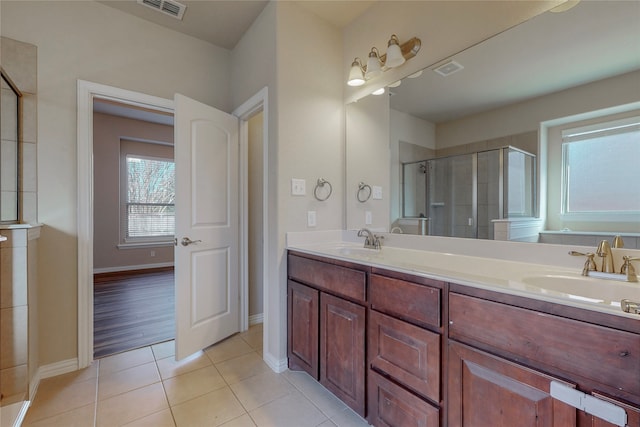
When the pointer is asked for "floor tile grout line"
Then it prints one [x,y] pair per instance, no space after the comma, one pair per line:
[95,403]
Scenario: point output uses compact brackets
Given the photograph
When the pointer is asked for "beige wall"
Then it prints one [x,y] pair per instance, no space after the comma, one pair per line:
[90,41]
[310,132]
[301,59]
[527,115]
[110,133]
[256,214]
[368,160]
[445,28]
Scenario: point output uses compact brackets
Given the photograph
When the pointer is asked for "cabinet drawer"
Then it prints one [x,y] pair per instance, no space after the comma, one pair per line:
[407,353]
[601,354]
[336,279]
[413,302]
[391,406]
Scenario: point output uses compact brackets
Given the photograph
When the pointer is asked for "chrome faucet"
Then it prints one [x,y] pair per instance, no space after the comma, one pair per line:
[604,252]
[371,241]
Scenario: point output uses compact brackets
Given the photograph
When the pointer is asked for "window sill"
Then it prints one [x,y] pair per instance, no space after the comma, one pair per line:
[136,245]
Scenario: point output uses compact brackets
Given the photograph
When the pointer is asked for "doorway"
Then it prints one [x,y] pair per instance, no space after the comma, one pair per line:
[87,92]
[134,227]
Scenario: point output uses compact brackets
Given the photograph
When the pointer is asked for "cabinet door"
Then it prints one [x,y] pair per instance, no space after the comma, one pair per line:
[342,362]
[485,390]
[303,319]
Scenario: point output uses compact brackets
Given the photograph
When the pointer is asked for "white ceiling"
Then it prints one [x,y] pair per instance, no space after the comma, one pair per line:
[223,22]
[551,52]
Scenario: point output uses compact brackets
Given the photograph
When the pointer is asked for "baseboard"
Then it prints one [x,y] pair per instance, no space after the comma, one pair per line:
[23,412]
[58,368]
[33,384]
[276,365]
[131,267]
[256,319]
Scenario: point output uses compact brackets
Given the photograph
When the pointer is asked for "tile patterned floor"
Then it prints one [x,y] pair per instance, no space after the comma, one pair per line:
[225,385]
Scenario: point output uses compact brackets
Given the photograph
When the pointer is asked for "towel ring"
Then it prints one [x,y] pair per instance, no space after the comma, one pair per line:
[363,188]
[319,185]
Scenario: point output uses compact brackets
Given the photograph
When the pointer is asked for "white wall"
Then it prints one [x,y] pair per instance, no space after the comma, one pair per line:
[90,41]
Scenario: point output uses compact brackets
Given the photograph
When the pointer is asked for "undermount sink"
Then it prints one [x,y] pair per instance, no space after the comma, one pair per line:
[587,289]
[358,252]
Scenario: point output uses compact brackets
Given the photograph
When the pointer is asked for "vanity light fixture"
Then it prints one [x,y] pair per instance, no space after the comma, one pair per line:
[396,55]
[378,91]
[374,64]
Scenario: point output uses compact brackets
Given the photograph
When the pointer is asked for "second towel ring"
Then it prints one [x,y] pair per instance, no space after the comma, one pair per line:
[319,185]
[363,189]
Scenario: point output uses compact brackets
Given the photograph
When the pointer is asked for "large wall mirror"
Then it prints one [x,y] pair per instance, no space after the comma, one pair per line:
[461,143]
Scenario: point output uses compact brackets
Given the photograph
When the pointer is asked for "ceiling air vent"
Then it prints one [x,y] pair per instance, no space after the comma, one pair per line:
[168,7]
[448,68]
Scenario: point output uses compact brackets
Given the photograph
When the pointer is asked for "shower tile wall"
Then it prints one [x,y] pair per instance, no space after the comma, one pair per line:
[19,60]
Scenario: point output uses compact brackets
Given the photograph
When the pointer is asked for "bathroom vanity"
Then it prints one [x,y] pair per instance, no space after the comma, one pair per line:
[411,348]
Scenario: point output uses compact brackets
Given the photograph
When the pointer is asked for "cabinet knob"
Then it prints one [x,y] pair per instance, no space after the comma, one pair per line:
[450,322]
[624,353]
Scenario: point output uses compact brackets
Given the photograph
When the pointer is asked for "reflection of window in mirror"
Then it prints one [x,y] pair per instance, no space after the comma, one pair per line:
[600,173]
[9,152]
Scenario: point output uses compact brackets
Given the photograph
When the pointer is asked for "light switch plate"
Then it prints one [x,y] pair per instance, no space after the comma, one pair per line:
[376,192]
[368,218]
[298,187]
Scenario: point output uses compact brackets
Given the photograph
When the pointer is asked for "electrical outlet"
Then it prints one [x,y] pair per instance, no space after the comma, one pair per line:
[298,187]
[153,253]
[368,218]
[376,192]
[311,218]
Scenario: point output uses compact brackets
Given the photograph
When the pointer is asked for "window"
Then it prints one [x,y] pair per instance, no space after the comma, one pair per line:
[601,169]
[150,195]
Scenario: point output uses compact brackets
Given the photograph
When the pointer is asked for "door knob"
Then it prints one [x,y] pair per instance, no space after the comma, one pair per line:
[187,241]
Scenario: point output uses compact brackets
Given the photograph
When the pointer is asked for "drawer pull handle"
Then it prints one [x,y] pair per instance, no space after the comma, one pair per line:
[624,353]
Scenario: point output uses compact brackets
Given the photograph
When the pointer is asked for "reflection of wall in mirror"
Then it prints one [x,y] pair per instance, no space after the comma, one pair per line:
[368,157]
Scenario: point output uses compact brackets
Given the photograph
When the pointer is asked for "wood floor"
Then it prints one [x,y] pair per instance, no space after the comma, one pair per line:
[132,310]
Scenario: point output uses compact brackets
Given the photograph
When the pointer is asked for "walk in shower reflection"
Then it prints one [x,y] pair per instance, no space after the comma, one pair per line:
[459,196]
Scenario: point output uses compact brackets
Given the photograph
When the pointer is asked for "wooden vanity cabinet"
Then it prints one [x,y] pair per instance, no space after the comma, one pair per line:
[303,324]
[485,390]
[516,347]
[404,346]
[327,325]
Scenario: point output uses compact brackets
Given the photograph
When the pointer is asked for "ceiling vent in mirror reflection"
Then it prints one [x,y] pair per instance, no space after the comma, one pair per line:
[168,7]
[448,68]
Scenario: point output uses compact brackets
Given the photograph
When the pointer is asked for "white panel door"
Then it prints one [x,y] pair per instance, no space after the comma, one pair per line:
[207,226]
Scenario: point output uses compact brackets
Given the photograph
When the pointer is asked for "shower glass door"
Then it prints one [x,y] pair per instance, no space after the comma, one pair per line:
[452,196]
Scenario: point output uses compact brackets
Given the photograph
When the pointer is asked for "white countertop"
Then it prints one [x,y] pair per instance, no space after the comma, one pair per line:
[508,267]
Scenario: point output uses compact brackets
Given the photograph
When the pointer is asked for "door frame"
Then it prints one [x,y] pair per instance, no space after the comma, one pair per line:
[86,93]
